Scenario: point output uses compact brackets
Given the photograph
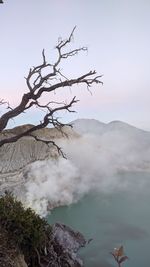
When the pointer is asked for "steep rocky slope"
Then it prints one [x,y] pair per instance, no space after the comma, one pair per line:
[14,157]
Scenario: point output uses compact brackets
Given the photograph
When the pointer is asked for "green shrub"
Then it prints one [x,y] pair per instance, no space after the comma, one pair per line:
[29,232]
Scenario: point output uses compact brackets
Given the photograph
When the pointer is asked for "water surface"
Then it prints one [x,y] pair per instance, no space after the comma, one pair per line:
[120,217]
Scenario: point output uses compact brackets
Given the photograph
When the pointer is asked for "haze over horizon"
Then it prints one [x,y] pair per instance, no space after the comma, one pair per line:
[118,40]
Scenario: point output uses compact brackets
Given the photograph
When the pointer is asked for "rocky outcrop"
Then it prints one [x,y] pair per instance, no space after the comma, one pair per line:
[63,248]
[69,242]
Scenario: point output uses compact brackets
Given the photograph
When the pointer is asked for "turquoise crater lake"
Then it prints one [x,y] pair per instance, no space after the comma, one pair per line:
[118,217]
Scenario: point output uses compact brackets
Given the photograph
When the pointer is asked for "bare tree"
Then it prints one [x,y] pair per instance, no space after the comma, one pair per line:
[46,78]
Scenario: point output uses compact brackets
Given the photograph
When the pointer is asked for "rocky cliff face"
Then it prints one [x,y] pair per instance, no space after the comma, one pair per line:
[14,157]
[63,248]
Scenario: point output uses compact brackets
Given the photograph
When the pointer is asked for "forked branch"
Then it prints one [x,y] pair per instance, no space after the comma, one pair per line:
[46,78]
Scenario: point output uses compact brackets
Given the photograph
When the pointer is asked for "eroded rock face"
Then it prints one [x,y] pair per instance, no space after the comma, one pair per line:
[63,247]
[69,242]
[14,157]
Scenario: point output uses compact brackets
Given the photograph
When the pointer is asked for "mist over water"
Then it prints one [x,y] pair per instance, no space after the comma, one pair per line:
[111,220]
[102,190]
[94,164]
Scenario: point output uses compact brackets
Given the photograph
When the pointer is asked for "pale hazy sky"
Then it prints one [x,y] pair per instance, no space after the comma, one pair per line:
[117,33]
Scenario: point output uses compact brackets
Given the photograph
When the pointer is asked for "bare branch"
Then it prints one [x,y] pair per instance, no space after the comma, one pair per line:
[46,78]
[48,119]
[48,142]
[3,102]
[63,43]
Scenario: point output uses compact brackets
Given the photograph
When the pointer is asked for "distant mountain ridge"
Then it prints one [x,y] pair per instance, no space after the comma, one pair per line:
[120,144]
[92,126]
[83,126]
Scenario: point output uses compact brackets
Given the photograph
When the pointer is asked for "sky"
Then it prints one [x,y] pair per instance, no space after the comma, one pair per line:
[117,34]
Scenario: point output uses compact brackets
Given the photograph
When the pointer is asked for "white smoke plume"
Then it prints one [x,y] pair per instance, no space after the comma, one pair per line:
[50,183]
[94,163]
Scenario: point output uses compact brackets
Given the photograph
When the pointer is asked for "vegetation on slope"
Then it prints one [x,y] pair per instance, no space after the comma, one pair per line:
[29,233]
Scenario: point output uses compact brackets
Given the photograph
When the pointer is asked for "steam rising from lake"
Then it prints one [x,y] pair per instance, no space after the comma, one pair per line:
[95,162]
